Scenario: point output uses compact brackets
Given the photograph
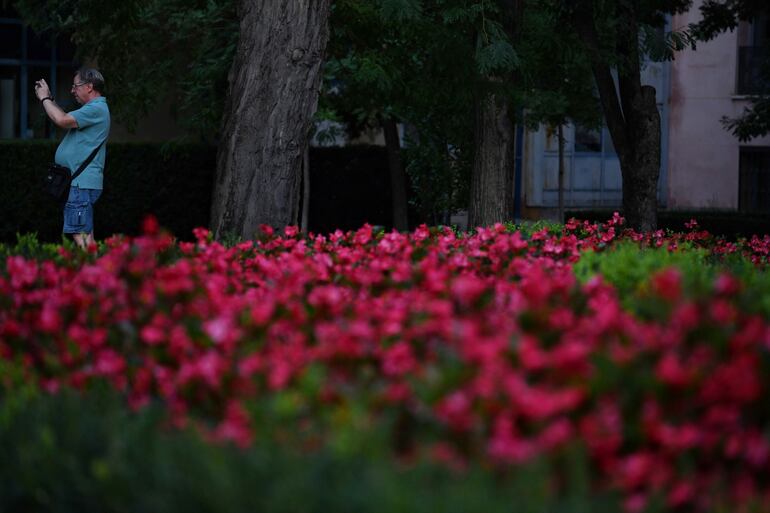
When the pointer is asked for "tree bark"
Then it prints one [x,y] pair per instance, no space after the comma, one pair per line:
[273,93]
[397,175]
[493,166]
[630,111]
[640,179]
[491,195]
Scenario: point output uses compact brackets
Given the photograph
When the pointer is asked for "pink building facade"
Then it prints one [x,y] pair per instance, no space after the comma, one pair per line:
[707,166]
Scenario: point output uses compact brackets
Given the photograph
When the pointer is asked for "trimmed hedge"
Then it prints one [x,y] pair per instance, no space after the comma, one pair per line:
[349,187]
[173,181]
[730,224]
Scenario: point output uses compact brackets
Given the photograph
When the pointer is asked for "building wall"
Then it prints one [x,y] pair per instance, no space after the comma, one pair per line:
[703,158]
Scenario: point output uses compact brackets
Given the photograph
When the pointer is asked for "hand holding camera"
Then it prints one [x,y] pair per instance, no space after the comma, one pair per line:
[42,90]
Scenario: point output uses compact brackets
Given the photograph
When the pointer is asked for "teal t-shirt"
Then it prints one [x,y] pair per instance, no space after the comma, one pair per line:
[93,127]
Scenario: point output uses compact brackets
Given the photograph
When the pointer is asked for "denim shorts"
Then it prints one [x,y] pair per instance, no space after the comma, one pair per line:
[79,210]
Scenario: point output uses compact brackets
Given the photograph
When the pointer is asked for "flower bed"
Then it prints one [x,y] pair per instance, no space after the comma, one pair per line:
[497,347]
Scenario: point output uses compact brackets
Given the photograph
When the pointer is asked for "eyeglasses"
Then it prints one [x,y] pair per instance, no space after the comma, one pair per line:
[78,85]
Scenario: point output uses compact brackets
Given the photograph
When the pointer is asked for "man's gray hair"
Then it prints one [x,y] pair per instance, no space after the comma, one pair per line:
[93,77]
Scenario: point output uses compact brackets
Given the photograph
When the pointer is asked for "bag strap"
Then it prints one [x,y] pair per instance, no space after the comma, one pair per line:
[85,163]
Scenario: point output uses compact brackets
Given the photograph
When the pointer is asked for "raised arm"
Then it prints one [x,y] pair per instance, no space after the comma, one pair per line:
[57,115]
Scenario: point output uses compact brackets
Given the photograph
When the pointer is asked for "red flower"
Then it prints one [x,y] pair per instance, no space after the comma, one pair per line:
[667,284]
[398,360]
[150,225]
[455,410]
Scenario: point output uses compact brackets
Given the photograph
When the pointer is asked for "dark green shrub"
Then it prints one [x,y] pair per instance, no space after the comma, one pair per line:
[174,181]
[74,453]
[171,181]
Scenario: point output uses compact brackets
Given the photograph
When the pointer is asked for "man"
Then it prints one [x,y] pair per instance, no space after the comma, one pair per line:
[88,127]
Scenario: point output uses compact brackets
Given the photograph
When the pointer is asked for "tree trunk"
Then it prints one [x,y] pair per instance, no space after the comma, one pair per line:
[640,176]
[560,134]
[491,192]
[273,93]
[397,175]
[493,166]
[630,111]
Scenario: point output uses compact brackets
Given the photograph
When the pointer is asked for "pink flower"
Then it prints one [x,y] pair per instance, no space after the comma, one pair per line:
[505,446]
[236,425]
[208,368]
[398,359]
[108,362]
[683,492]
[50,320]
[466,289]
[556,434]
[722,311]
[667,284]
[455,410]
[531,355]
[150,225]
[727,285]
[671,371]
[635,503]
[152,334]
[219,329]
[363,235]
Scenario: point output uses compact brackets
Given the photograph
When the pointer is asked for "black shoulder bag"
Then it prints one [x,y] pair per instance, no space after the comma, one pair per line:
[59,178]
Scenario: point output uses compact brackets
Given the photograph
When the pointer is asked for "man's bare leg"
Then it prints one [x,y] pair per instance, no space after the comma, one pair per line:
[83,240]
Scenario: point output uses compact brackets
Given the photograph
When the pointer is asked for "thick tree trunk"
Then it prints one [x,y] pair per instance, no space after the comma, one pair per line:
[274,85]
[397,175]
[630,111]
[491,192]
[493,166]
[640,176]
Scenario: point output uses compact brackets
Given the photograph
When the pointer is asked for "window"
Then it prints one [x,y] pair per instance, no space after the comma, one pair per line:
[754,60]
[25,57]
[754,186]
[760,28]
[587,140]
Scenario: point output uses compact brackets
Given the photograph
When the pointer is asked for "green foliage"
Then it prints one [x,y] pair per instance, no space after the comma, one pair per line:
[412,62]
[84,453]
[753,122]
[718,16]
[628,268]
[662,46]
[527,228]
[556,72]
[150,50]
[28,246]
[495,56]
[439,178]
